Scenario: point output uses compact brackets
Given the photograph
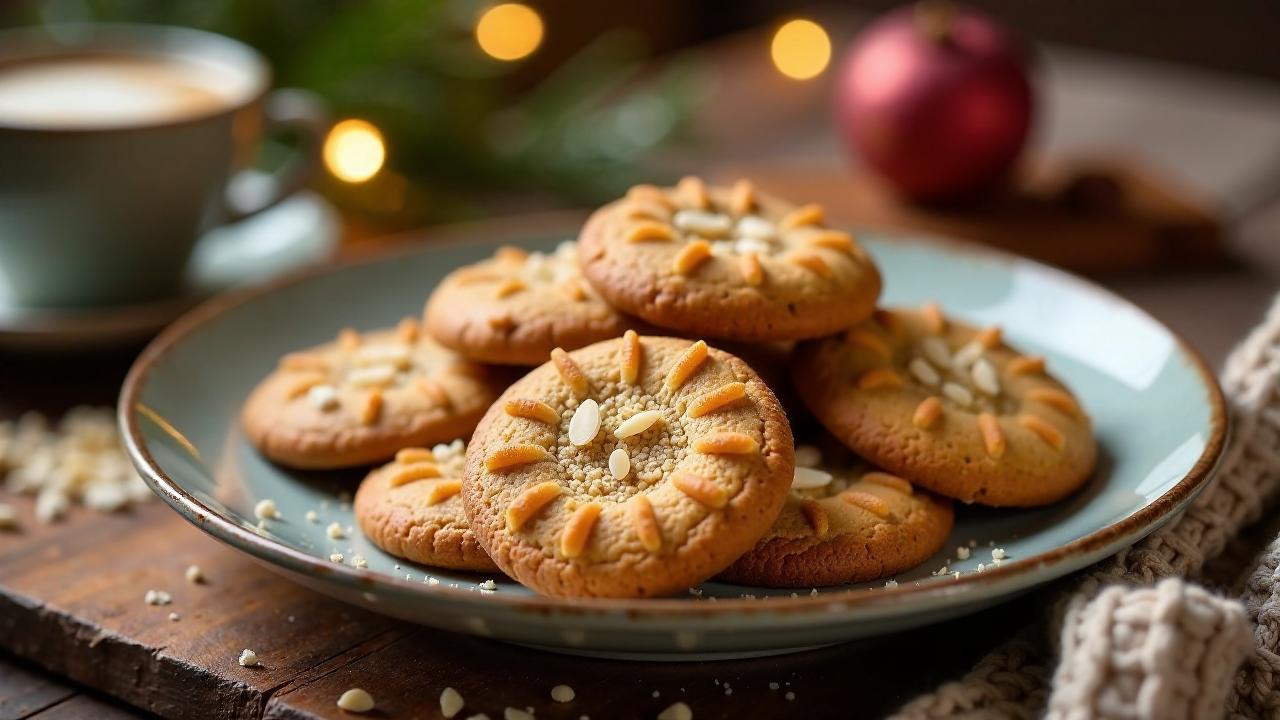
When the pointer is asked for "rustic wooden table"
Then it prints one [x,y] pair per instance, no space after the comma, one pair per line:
[77,640]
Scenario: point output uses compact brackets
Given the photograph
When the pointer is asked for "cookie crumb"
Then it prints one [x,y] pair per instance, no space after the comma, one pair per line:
[488,586]
[728,690]
[790,695]
[431,581]
[335,531]
[657,694]
[248,658]
[356,700]
[962,553]
[8,517]
[774,686]
[451,702]
[813,592]
[891,583]
[266,509]
[157,597]
[312,517]
[516,714]
[174,617]
[677,711]
[194,574]
[998,554]
[562,693]
[336,557]
[360,561]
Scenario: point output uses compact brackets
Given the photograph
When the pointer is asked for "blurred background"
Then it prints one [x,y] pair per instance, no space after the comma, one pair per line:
[455,109]
[1148,153]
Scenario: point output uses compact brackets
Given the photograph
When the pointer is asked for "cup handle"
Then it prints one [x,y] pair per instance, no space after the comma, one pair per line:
[251,191]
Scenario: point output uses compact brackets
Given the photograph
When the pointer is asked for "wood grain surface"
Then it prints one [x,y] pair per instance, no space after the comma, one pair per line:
[71,601]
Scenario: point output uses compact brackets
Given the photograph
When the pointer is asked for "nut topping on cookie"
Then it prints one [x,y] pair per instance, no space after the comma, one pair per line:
[533,410]
[982,423]
[1044,430]
[722,396]
[842,523]
[760,268]
[866,501]
[411,509]
[671,447]
[516,455]
[412,472]
[529,503]
[1026,365]
[513,308]
[637,424]
[687,365]
[338,398]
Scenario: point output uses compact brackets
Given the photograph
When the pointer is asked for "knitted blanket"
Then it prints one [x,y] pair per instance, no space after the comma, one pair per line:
[1128,648]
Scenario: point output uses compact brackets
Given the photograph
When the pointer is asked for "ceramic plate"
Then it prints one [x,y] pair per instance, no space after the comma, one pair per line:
[1157,411]
[298,232]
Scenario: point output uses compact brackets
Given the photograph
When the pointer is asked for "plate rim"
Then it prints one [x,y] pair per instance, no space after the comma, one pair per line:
[1144,520]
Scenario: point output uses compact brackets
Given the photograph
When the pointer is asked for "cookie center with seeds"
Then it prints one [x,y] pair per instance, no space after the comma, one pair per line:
[369,368]
[613,439]
[514,271]
[594,435]
[732,230]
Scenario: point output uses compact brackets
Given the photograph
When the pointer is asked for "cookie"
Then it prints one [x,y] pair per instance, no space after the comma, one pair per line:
[411,508]
[727,263]
[949,407]
[843,523]
[513,308]
[361,398]
[635,467]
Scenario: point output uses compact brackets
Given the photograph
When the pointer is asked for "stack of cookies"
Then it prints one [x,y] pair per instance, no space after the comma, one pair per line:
[648,449]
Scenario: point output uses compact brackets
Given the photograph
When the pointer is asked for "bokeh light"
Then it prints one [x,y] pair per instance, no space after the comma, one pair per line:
[354,151]
[509,31]
[801,49]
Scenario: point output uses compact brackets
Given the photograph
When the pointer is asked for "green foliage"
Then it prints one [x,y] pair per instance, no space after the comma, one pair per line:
[453,124]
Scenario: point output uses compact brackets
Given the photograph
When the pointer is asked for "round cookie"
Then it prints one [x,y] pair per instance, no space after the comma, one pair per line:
[513,308]
[949,407]
[727,263]
[411,508]
[361,398]
[844,523]
[635,467]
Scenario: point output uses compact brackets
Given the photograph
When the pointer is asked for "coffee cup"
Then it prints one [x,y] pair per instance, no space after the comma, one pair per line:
[120,145]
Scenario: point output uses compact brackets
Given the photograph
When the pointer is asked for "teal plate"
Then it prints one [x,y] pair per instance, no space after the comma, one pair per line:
[1157,410]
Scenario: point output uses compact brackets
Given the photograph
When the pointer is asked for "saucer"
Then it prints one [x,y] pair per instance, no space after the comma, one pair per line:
[298,232]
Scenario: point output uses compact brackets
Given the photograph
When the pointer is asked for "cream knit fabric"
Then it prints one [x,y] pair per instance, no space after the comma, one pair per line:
[1011,681]
[1163,653]
[1257,686]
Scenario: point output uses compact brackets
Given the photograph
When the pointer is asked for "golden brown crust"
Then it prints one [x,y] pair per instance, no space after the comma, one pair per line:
[409,520]
[621,555]
[978,447]
[287,425]
[809,285]
[512,309]
[826,539]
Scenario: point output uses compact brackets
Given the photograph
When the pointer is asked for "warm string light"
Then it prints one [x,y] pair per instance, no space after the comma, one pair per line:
[509,31]
[354,151]
[801,49]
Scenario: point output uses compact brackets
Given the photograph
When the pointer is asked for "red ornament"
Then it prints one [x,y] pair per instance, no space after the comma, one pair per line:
[936,99]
